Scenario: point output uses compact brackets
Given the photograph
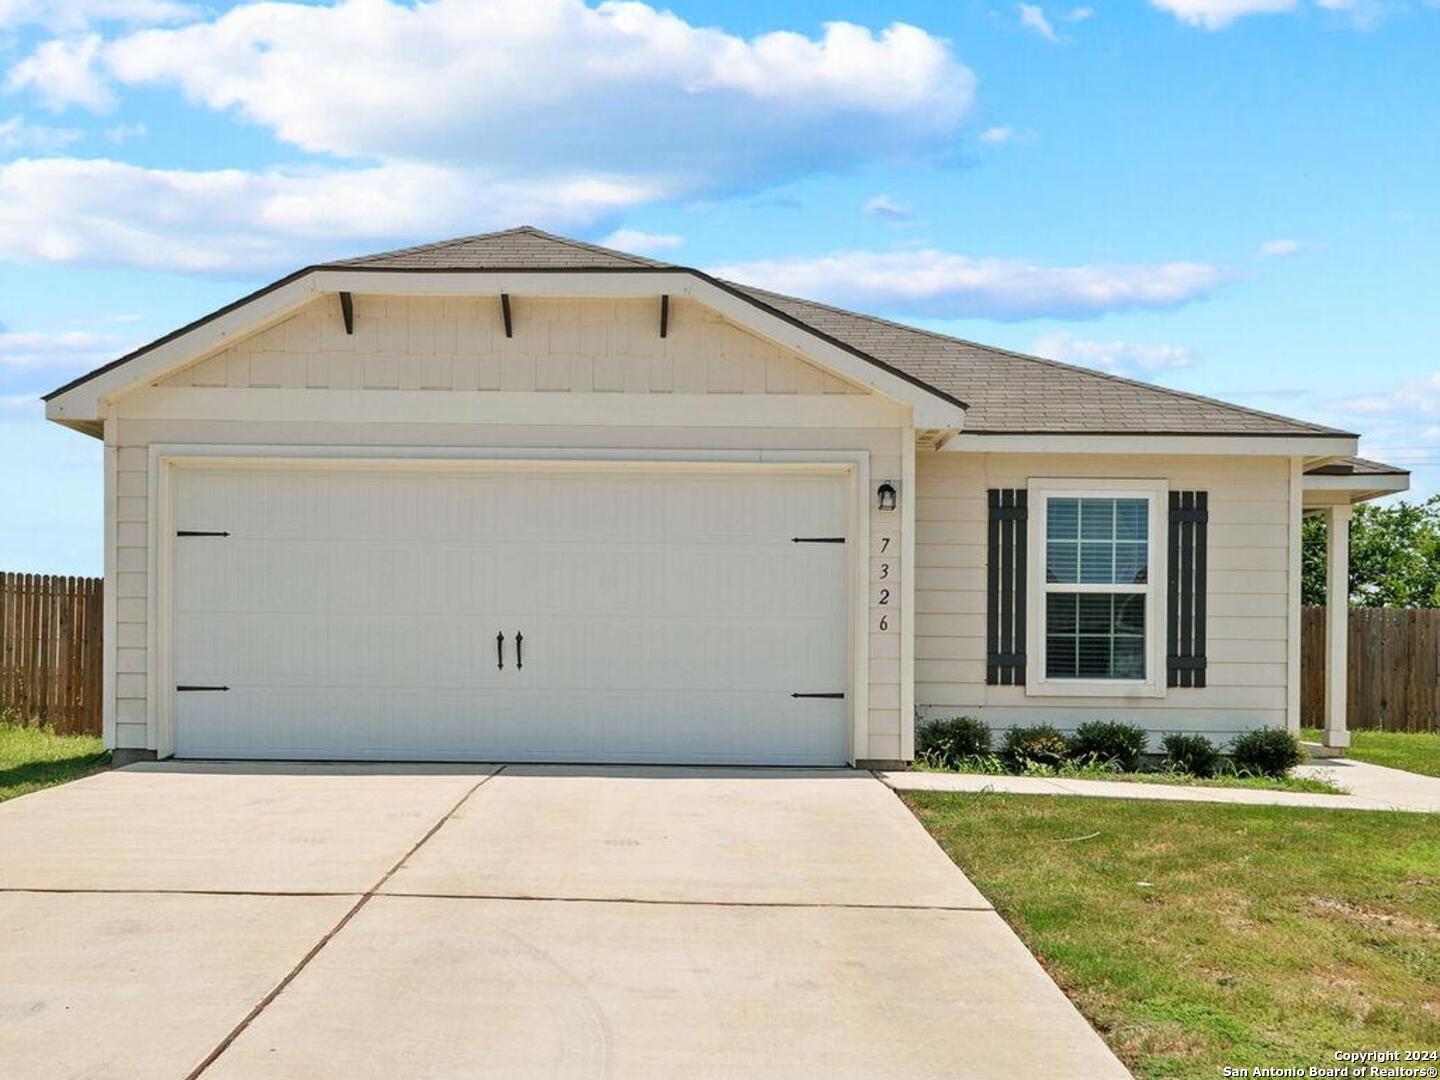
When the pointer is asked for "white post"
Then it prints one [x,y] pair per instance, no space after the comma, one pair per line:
[1337,623]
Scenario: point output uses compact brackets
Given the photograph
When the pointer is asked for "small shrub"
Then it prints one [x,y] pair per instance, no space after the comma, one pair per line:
[1266,752]
[947,744]
[1193,754]
[1102,742]
[1027,747]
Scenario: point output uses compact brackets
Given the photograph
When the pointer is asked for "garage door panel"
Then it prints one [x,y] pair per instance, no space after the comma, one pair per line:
[667,616]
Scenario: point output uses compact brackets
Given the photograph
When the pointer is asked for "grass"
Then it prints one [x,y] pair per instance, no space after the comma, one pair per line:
[1315,785]
[32,758]
[1416,752]
[1196,936]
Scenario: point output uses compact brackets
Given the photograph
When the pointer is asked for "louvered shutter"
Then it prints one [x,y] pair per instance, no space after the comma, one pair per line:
[1185,631]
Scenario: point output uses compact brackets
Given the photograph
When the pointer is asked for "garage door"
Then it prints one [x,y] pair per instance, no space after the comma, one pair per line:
[524,613]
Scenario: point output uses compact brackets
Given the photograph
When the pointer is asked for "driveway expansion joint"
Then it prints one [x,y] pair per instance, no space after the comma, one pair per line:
[364,898]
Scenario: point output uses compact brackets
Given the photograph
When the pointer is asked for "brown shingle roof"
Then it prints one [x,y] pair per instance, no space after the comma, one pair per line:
[1357,466]
[525,248]
[1011,393]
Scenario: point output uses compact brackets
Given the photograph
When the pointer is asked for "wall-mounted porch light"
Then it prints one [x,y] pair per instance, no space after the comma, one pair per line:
[885,496]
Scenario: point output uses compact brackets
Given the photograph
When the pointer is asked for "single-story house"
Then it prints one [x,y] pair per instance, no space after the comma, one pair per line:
[517,497]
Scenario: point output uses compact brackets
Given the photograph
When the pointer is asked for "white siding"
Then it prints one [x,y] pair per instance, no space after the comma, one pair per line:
[1247,592]
[560,346]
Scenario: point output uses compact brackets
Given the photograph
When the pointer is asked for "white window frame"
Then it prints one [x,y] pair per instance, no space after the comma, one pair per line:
[1157,492]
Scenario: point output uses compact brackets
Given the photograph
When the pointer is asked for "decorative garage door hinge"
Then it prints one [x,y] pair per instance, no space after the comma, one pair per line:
[198,532]
[183,689]
[834,695]
[817,539]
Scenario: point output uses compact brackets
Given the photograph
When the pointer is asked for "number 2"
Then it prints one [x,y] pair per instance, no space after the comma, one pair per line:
[884,596]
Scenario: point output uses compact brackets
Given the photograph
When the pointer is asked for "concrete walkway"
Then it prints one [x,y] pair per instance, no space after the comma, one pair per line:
[259,922]
[1368,787]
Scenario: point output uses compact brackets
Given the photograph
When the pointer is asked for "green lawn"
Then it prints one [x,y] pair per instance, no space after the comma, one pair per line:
[1195,936]
[1415,752]
[34,758]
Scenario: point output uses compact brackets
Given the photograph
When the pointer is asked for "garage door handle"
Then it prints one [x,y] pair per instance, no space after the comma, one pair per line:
[831,695]
[197,689]
[500,650]
[519,650]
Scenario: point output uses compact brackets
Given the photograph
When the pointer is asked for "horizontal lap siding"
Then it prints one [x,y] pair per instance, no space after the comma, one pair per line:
[1247,595]
[134,437]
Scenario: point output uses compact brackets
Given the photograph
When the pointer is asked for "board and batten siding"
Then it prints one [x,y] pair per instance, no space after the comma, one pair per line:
[1248,592]
[559,346]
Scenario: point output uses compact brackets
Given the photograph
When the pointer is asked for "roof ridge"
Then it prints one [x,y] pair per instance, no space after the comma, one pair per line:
[518,230]
[583,245]
[1048,362]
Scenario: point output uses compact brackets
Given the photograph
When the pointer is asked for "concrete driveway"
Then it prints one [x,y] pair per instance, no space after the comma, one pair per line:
[275,921]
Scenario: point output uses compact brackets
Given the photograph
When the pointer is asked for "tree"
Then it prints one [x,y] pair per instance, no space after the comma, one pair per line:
[1394,556]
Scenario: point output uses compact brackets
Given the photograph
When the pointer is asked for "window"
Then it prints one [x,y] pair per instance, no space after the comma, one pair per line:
[1095,613]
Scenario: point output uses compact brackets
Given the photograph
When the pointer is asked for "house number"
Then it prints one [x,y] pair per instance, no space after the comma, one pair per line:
[884,597]
[884,571]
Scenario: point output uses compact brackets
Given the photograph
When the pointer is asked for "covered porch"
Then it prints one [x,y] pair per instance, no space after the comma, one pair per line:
[1332,491]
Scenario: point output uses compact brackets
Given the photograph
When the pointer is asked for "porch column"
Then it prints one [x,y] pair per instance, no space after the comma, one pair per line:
[1337,623]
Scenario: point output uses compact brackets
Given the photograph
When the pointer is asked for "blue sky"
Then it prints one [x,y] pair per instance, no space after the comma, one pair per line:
[1236,197]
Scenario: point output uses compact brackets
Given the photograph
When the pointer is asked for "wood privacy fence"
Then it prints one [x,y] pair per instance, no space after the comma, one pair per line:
[1394,668]
[50,650]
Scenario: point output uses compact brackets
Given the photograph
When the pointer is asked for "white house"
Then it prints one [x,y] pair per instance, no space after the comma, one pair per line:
[516,497]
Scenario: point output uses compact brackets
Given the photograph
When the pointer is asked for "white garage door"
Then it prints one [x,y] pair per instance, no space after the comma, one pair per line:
[523,613]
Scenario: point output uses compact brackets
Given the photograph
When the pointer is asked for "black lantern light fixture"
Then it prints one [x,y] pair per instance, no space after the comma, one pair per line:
[885,496]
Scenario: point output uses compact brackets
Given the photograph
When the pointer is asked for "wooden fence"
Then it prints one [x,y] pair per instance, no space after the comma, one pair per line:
[50,650]
[1394,668]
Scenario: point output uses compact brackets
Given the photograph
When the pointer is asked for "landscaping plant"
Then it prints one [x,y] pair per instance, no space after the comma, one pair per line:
[1192,754]
[1041,745]
[1105,742]
[950,743]
[1266,752]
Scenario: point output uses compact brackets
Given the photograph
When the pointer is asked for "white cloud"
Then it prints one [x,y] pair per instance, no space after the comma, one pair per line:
[71,15]
[16,134]
[101,211]
[1218,14]
[23,350]
[887,209]
[1280,248]
[1079,14]
[125,132]
[1125,358]
[547,85]
[995,136]
[642,243]
[1400,425]
[63,72]
[939,284]
[1032,17]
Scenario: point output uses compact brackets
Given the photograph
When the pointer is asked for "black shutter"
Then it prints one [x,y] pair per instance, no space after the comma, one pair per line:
[1005,567]
[1185,631]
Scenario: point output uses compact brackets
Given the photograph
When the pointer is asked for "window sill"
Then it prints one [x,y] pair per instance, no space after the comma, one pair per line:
[1094,688]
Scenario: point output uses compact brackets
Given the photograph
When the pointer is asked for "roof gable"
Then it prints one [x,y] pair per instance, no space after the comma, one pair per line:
[1002,392]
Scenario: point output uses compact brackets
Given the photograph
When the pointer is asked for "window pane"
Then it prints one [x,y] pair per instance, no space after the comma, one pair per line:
[1097,519]
[1095,613]
[1130,614]
[1060,613]
[1132,519]
[1062,559]
[1062,519]
[1094,658]
[1060,657]
[1129,658]
[1097,563]
[1131,563]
